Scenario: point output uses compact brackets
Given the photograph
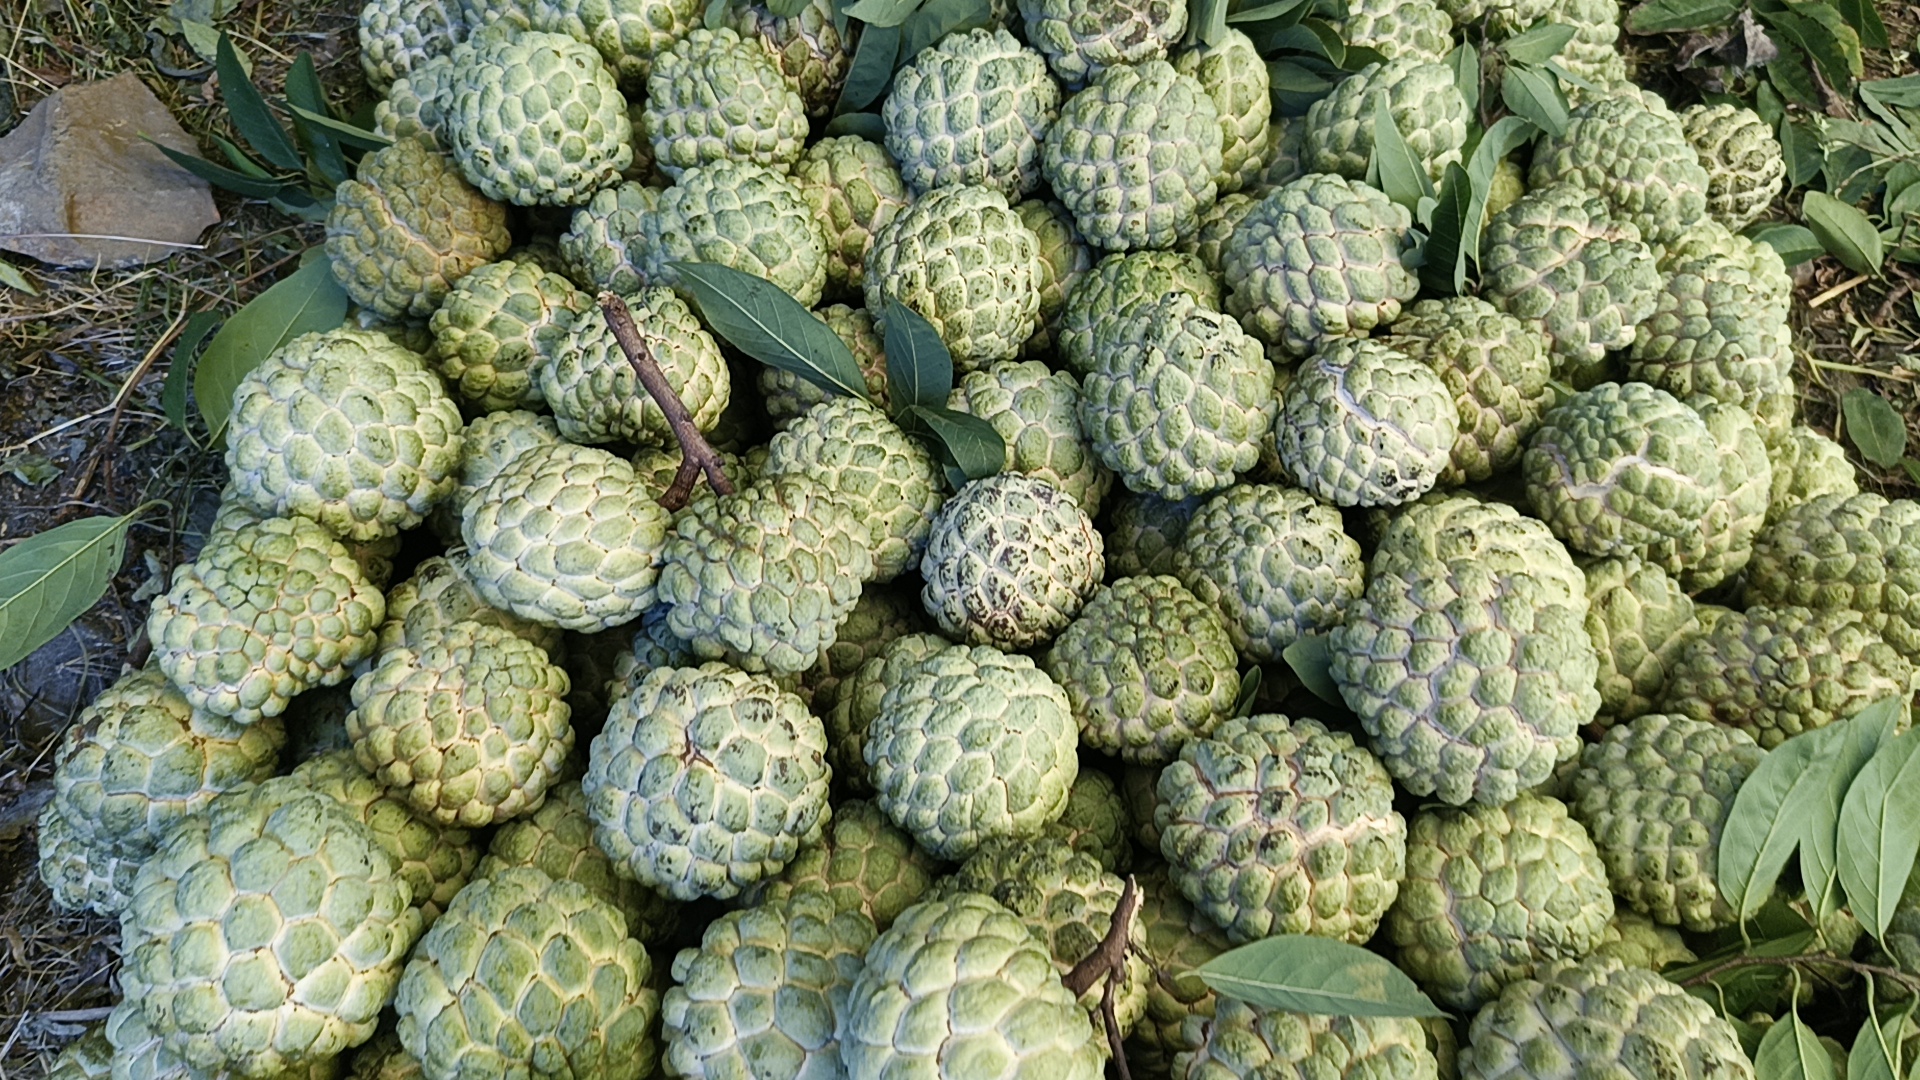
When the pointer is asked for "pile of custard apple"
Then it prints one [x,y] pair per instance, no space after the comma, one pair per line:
[460,756]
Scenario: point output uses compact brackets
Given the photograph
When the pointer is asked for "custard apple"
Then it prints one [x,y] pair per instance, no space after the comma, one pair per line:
[1233,73]
[499,327]
[1849,553]
[1096,821]
[812,47]
[1081,39]
[1418,95]
[1634,153]
[863,863]
[1398,29]
[1364,424]
[1497,370]
[1064,259]
[397,36]
[435,862]
[889,480]
[537,119]
[857,702]
[787,396]
[1009,562]
[1178,940]
[713,97]
[1036,412]
[971,109]
[1807,465]
[1118,283]
[1744,161]
[629,34]
[595,394]
[1142,532]
[1241,1040]
[853,189]
[1641,622]
[736,214]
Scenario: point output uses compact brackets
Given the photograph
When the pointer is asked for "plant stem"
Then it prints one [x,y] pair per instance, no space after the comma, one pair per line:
[697,455]
[1808,959]
[1107,963]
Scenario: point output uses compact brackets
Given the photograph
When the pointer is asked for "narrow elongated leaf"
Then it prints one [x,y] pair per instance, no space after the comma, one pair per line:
[1903,91]
[938,18]
[959,440]
[349,134]
[220,176]
[1768,814]
[1538,44]
[13,277]
[872,68]
[1465,62]
[1206,22]
[1249,693]
[1879,832]
[1309,659]
[919,367]
[1675,16]
[1876,1049]
[241,163]
[1845,231]
[1791,1051]
[1399,173]
[868,126]
[1507,134]
[1794,244]
[1801,146]
[303,302]
[786,9]
[313,123]
[173,394]
[1307,974]
[761,320]
[1265,12]
[1444,270]
[251,117]
[1864,17]
[49,579]
[1865,733]
[1822,33]
[1535,95]
[1875,426]
[882,13]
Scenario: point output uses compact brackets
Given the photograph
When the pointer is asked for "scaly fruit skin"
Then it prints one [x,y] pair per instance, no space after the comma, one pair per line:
[1064,259]
[1776,672]
[629,34]
[1209,242]
[1654,793]
[1497,370]
[1234,75]
[327,919]
[1807,465]
[1096,821]
[1082,39]
[415,106]
[140,1053]
[960,988]
[1178,940]
[863,863]
[1739,512]
[1419,95]
[439,595]
[1036,411]
[737,214]
[1134,156]
[469,726]
[557,840]
[858,702]
[1637,941]
[1364,424]
[1492,893]
[491,441]
[1142,532]
[1277,826]
[1850,553]
[1070,902]
[597,398]
[888,479]
[78,874]
[1320,257]
[346,428]
[564,536]
[1634,153]
[1240,1040]
[713,97]
[525,975]
[536,119]
[602,243]
[1115,285]
[498,326]
[1273,561]
[1178,398]
[1467,658]
[407,227]
[853,188]
[1558,260]
[1640,620]
[1009,563]
[962,259]
[811,48]
[881,616]
[396,36]
[89,1057]
[762,578]
[1147,666]
[1398,29]
[762,993]
[265,612]
[706,781]
[970,745]
[1744,161]
[138,759]
[1716,331]
[786,395]
[435,862]
[971,109]
[1625,469]
[1600,1017]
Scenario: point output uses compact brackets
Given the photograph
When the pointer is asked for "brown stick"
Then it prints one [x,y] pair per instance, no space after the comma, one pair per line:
[1808,959]
[697,455]
[1107,963]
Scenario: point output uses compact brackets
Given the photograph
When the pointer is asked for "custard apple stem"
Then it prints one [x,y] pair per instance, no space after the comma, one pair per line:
[1108,963]
[697,456]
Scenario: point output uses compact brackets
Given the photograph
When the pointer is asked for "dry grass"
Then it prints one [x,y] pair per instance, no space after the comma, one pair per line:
[82,432]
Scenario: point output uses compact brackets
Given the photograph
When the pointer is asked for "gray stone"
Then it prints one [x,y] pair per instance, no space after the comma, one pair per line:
[81,186]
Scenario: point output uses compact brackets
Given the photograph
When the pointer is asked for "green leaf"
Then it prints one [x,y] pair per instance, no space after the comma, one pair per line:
[960,440]
[347,133]
[1676,16]
[1769,811]
[1791,1051]
[312,121]
[1536,96]
[919,368]
[305,301]
[1876,1049]
[1865,20]
[785,9]
[1865,733]
[173,395]
[237,182]
[1800,145]
[1879,832]
[1845,231]
[1322,39]
[872,69]
[1309,659]
[1249,692]
[882,13]
[1465,62]
[1267,12]
[50,578]
[251,117]
[1539,44]
[760,319]
[204,40]
[1820,34]
[1398,172]
[1295,85]
[1207,22]
[938,18]
[1308,974]
[1506,135]
[1912,467]
[241,163]
[1794,243]
[1901,92]
[1444,269]
[868,126]
[1875,426]
[13,277]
